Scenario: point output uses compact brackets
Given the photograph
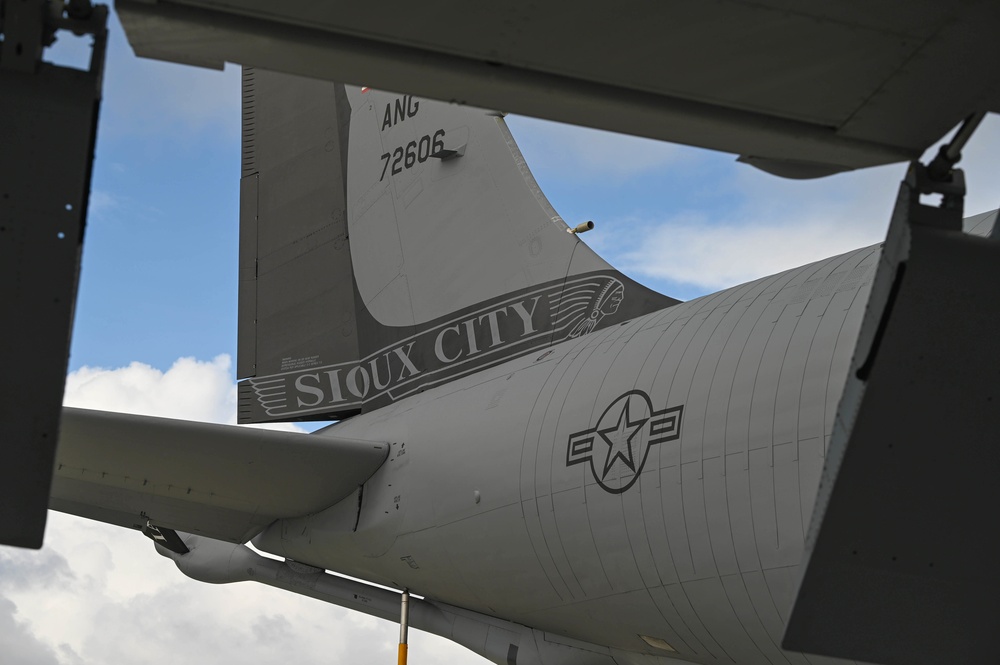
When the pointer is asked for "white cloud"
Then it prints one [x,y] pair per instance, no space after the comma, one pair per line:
[692,251]
[772,224]
[750,225]
[763,226]
[126,604]
[123,603]
[190,389]
[17,643]
[583,153]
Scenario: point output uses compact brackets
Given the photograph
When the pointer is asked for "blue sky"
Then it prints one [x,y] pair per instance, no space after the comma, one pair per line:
[159,266]
[158,277]
[155,333]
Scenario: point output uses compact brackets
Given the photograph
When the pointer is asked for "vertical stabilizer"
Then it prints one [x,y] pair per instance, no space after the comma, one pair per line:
[418,230]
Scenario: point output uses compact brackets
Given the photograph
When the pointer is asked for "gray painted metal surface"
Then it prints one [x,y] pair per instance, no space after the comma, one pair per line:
[223,482]
[501,641]
[445,214]
[799,90]
[433,256]
[296,294]
[701,548]
[899,563]
[48,119]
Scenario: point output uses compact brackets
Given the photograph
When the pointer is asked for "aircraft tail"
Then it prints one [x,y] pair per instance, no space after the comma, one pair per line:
[390,243]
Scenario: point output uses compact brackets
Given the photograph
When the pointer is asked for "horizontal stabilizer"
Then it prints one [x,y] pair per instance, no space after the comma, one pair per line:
[220,481]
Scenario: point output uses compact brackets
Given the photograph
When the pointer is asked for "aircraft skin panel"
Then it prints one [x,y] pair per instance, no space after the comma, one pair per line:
[417,253]
[391,243]
[981,224]
[294,261]
[801,90]
[548,524]
[220,481]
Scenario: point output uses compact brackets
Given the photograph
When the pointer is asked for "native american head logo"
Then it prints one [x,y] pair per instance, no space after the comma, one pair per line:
[617,446]
[605,302]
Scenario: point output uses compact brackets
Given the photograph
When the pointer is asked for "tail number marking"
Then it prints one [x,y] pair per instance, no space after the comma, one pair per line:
[414,152]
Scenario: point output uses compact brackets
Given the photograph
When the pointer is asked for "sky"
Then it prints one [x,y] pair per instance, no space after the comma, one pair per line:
[155,333]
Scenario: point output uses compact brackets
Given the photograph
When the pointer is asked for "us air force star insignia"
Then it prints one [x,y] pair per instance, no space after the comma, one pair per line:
[622,437]
[619,440]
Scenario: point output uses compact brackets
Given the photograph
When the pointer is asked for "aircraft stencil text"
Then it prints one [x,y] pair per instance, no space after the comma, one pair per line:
[468,333]
[477,337]
[415,152]
[399,110]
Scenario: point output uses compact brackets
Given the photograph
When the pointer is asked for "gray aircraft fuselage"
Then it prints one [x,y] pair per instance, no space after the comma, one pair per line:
[654,478]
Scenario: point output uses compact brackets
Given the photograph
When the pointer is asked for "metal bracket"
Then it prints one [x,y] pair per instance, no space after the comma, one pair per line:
[899,567]
[48,121]
[166,537]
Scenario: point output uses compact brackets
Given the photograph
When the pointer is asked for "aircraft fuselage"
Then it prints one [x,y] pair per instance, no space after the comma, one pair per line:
[657,476]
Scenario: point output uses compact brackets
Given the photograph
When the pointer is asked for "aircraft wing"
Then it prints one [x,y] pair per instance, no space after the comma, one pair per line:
[220,481]
[797,89]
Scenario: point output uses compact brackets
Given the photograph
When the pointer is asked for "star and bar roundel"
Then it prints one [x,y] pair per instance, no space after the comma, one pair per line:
[617,446]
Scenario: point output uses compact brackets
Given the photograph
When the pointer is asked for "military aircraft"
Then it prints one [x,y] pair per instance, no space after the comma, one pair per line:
[567,466]
[636,466]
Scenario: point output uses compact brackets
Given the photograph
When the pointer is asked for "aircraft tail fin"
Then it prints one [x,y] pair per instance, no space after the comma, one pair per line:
[390,243]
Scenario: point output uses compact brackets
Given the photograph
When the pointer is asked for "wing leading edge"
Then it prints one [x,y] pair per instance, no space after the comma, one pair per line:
[798,89]
[220,481]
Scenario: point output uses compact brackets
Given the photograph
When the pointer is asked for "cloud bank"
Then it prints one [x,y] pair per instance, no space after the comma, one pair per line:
[589,154]
[690,250]
[190,389]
